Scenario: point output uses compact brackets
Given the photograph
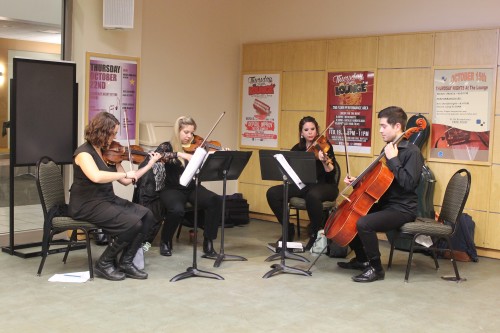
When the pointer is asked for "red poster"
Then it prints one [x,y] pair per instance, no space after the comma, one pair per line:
[350,104]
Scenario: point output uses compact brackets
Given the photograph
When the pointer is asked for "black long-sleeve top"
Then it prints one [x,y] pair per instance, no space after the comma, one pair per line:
[406,167]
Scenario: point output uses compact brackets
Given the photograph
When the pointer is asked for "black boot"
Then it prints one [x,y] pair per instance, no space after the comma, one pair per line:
[166,248]
[126,265]
[208,248]
[105,265]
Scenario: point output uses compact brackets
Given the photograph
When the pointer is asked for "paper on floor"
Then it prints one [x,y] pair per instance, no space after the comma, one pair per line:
[76,277]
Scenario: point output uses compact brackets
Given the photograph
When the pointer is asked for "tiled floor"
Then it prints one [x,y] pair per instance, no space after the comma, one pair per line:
[29,217]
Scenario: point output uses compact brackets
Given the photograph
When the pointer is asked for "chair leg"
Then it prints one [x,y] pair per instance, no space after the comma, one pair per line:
[434,256]
[72,239]
[410,259]
[89,253]
[389,264]
[298,223]
[47,237]
[453,261]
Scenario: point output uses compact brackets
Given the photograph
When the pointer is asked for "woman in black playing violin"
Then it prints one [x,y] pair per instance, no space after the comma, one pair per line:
[174,195]
[93,199]
[324,190]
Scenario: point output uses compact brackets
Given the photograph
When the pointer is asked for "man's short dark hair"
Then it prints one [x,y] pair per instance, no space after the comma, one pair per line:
[394,115]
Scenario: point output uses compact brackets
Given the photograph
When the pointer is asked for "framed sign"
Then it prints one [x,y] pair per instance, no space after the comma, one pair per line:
[112,86]
[260,106]
[461,119]
[350,105]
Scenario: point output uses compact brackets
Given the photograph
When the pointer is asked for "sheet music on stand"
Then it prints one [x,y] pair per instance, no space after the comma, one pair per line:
[289,171]
[194,164]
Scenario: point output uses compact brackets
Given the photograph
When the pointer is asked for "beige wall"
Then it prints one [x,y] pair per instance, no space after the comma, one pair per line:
[264,20]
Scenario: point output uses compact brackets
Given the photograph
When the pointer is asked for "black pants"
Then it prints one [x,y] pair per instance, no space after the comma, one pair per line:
[142,226]
[175,200]
[365,244]
[314,196]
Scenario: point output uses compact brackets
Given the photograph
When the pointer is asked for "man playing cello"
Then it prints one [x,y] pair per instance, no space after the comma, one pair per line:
[397,206]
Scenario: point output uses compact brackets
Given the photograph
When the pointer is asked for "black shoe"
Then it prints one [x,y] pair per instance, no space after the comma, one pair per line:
[208,248]
[354,264]
[370,274]
[166,249]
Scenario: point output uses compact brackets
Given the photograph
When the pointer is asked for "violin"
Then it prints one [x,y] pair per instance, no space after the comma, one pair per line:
[116,153]
[198,141]
[320,144]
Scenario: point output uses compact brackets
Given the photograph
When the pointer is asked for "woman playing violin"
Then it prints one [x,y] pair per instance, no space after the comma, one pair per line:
[93,199]
[174,196]
[397,206]
[324,190]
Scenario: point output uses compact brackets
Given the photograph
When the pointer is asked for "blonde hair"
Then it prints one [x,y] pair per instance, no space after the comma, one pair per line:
[180,123]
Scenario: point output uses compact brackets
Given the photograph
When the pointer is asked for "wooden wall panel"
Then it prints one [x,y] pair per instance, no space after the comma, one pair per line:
[263,57]
[352,53]
[304,91]
[410,89]
[307,55]
[466,48]
[256,197]
[490,234]
[495,144]
[403,51]
[481,221]
[495,189]
[480,183]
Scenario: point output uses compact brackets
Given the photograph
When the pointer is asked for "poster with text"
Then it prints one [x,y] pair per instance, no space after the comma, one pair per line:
[260,110]
[461,120]
[112,87]
[350,107]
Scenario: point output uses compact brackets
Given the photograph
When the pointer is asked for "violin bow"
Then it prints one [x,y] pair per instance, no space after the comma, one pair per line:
[319,136]
[128,143]
[346,153]
[213,127]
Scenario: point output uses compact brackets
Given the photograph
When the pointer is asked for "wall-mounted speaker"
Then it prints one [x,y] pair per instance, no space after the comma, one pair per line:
[118,14]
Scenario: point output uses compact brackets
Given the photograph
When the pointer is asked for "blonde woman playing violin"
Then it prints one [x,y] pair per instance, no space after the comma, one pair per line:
[324,190]
[174,195]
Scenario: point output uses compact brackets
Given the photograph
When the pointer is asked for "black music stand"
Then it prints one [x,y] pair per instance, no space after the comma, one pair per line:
[304,165]
[193,271]
[224,165]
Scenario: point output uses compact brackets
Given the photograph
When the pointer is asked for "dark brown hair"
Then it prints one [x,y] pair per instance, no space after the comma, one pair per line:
[100,129]
[394,115]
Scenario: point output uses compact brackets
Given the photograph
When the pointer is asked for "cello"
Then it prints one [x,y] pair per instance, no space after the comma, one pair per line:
[373,182]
